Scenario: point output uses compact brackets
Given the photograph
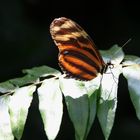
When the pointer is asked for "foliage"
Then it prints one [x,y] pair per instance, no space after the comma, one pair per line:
[84,100]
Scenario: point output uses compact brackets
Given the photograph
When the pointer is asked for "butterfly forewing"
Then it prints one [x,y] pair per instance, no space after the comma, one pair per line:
[78,56]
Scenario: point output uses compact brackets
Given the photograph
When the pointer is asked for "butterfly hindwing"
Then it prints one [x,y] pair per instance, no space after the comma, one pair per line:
[78,56]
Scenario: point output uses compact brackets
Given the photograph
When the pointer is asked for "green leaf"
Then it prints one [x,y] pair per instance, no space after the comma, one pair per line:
[50,106]
[108,101]
[27,79]
[32,76]
[6,87]
[5,125]
[92,88]
[81,104]
[114,54]
[42,71]
[77,105]
[130,60]
[18,107]
[131,72]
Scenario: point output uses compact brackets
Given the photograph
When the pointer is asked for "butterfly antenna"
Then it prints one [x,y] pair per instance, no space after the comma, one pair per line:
[126,42]
[123,45]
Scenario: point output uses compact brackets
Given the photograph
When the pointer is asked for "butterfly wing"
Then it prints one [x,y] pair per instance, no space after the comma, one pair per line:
[78,56]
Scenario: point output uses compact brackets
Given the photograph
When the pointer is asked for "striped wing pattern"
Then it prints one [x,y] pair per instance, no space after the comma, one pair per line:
[78,56]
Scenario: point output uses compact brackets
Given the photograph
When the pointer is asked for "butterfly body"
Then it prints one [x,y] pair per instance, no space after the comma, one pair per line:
[78,56]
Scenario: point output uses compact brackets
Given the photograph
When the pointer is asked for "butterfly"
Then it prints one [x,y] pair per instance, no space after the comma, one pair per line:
[78,56]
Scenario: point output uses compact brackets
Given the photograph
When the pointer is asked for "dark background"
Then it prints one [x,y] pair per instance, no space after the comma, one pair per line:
[25,42]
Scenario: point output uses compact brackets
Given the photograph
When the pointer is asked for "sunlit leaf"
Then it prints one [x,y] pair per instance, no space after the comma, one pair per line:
[18,107]
[77,105]
[27,79]
[81,104]
[83,99]
[131,72]
[5,125]
[108,100]
[42,71]
[114,54]
[33,76]
[130,60]
[6,87]
[92,88]
[51,107]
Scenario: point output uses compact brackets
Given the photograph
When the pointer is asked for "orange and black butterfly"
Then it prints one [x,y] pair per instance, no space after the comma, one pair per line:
[78,56]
